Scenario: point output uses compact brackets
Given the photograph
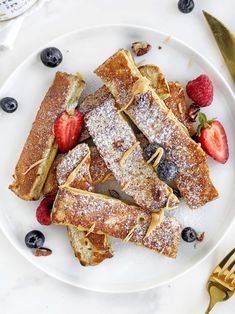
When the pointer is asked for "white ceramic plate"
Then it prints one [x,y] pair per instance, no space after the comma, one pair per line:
[133,268]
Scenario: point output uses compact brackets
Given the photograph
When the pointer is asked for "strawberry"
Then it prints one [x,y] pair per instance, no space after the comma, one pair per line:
[213,139]
[43,213]
[200,90]
[67,129]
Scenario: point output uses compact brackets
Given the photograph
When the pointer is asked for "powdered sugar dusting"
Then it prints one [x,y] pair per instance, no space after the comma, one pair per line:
[98,168]
[196,186]
[113,137]
[193,178]
[70,162]
[115,218]
[160,126]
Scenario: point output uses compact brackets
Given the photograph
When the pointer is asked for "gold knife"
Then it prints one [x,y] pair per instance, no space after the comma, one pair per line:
[225,41]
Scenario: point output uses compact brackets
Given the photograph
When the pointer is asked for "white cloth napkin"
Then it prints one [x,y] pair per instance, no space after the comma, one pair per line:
[10,29]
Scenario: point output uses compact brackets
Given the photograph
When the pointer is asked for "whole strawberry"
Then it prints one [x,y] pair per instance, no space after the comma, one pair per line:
[213,139]
[43,213]
[200,90]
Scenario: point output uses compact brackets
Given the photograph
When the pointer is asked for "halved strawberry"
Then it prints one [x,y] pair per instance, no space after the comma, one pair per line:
[213,139]
[67,129]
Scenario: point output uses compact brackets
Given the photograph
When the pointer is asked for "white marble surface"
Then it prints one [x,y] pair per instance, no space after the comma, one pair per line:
[25,289]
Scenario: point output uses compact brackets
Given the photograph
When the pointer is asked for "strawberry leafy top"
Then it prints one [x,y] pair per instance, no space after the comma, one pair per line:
[203,122]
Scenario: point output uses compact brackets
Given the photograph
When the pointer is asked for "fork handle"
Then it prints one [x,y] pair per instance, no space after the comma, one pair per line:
[210,307]
[219,294]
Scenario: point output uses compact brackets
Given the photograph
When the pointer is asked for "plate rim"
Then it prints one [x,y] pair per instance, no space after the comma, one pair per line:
[229,90]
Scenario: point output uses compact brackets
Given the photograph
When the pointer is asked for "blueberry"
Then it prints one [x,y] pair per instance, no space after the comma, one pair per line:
[150,150]
[166,170]
[8,104]
[51,57]
[188,234]
[185,6]
[34,239]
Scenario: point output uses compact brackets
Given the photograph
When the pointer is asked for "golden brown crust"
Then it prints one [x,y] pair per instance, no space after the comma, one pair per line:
[40,144]
[73,170]
[157,79]
[90,102]
[171,93]
[95,99]
[90,249]
[51,185]
[196,186]
[98,168]
[156,121]
[119,71]
[98,171]
[115,218]
[74,166]
[159,125]
[177,103]
[123,155]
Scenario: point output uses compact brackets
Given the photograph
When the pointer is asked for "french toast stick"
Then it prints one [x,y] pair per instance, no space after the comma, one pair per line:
[40,147]
[116,218]
[171,93]
[90,102]
[135,96]
[90,248]
[73,170]
[157,79]
[123,155]
[98,171]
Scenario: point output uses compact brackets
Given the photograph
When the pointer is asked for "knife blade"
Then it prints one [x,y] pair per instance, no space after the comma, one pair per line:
[225,41]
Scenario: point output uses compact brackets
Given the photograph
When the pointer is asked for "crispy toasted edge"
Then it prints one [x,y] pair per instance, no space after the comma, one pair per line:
[49,155]
[166,90]
[134,72]
[135,87]
[51,186]
[210,194]
[58,218]
[82,251]
[152,72]
[124,56]
[76,166]
[173,200]
[183,116]
[211,185]
[157,79]
[74,233]
[40,177]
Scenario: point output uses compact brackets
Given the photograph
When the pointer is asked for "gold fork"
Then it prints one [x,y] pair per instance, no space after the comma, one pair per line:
[221,283]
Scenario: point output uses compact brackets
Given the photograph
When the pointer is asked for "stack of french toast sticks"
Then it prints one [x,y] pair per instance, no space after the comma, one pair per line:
[134,107]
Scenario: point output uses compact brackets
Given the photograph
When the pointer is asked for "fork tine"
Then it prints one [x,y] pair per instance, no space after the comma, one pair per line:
[228,265]
[231,266]
[231,270]
[224,263]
